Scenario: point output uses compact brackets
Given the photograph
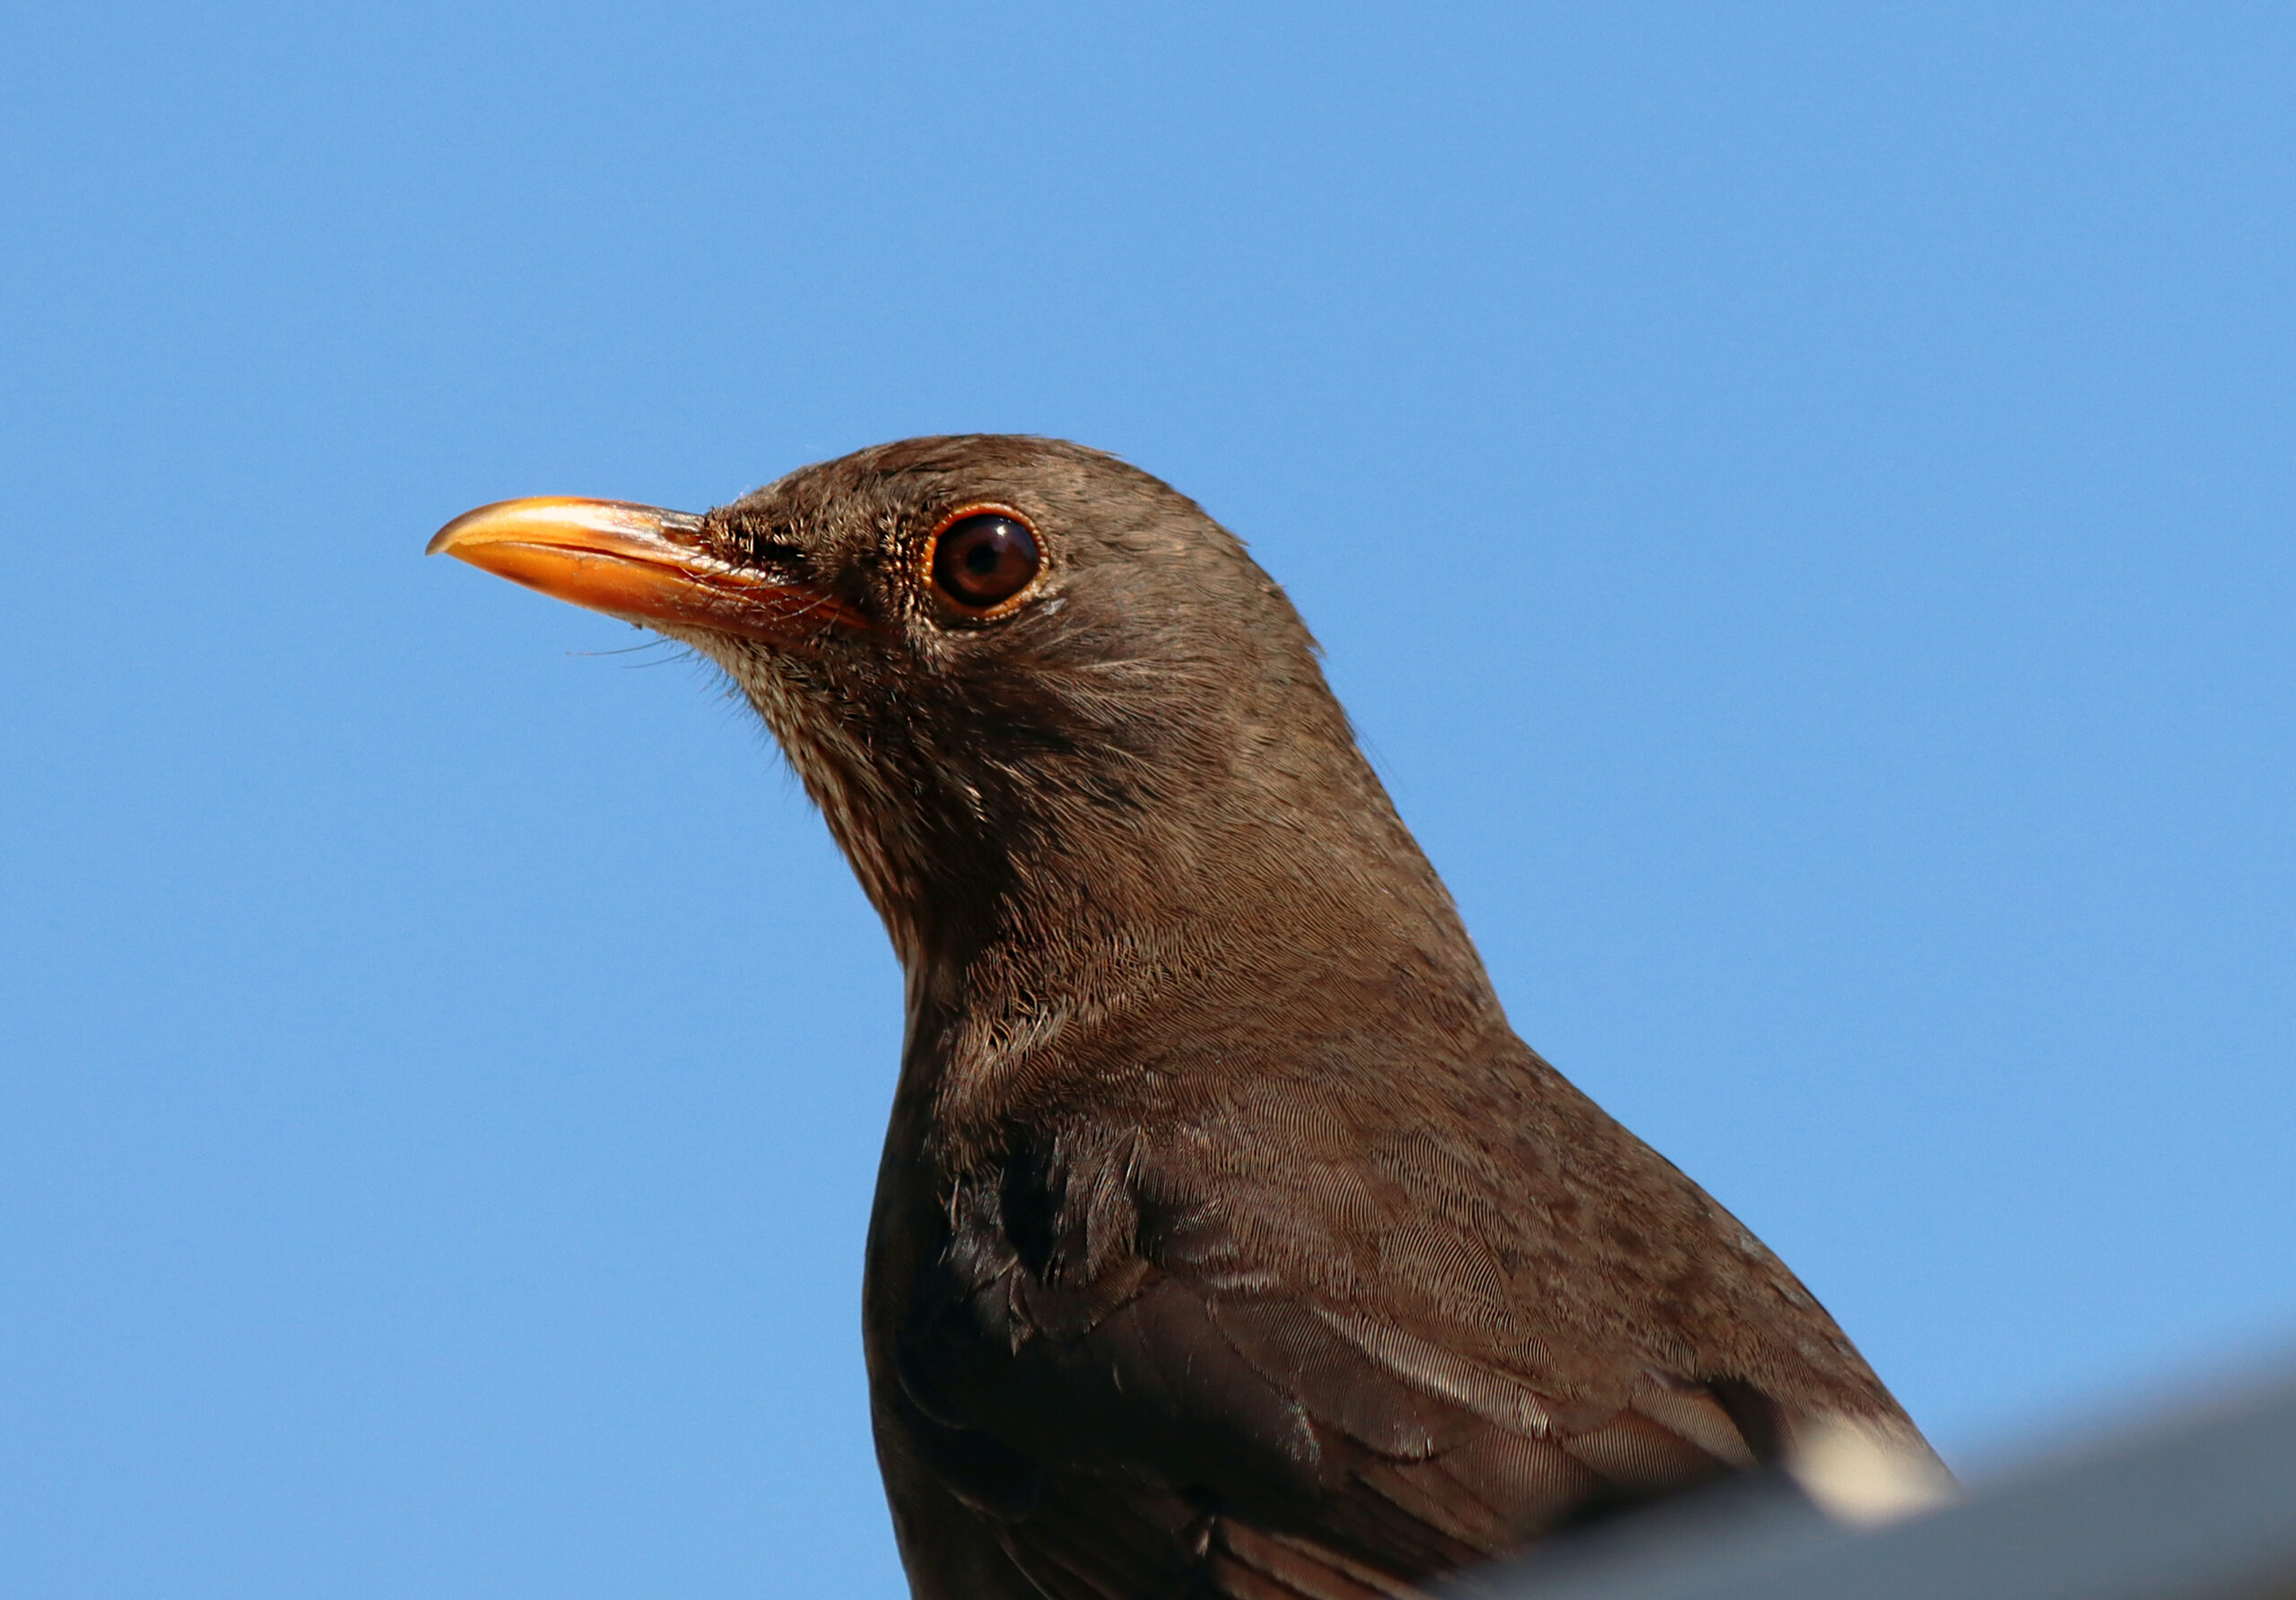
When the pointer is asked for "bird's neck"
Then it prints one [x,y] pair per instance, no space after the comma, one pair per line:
[1087,952]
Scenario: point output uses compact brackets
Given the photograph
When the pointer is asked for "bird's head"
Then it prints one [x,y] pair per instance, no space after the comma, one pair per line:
[1035,690]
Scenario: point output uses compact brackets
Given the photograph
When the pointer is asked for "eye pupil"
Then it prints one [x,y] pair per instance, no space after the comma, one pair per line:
[985,560]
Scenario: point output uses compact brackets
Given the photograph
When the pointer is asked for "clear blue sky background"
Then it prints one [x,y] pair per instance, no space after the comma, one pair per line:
[1798,500]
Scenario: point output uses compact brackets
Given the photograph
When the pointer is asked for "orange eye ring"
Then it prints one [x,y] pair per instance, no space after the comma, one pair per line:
[983,559]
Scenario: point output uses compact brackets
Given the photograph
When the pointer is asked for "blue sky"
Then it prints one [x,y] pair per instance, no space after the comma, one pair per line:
[1797,499]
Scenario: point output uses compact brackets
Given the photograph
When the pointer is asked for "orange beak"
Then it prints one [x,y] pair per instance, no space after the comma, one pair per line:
[638,562]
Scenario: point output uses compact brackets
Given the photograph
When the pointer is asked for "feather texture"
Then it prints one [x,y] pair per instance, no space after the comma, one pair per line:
[1228,1242]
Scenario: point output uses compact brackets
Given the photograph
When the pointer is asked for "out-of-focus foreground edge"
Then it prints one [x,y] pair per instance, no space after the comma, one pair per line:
[2199,1507]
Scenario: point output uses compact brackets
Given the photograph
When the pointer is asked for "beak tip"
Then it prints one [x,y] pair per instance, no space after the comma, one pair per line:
[444,541]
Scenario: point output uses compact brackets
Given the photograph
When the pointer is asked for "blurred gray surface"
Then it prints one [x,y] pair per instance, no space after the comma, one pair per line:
[2201,1507]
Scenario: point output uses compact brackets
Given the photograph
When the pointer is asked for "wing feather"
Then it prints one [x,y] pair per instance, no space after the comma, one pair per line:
[1183,1387]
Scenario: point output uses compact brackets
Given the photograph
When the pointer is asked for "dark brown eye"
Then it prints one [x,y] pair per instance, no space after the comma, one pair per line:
[985,560]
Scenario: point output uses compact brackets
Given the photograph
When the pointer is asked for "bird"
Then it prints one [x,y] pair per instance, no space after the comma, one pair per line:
[1227,1240]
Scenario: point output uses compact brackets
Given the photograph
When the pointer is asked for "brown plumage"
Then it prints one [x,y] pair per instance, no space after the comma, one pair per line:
[1228,1241]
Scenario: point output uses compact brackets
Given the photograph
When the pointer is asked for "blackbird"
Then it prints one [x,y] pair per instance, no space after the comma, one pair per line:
[1227,1240]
